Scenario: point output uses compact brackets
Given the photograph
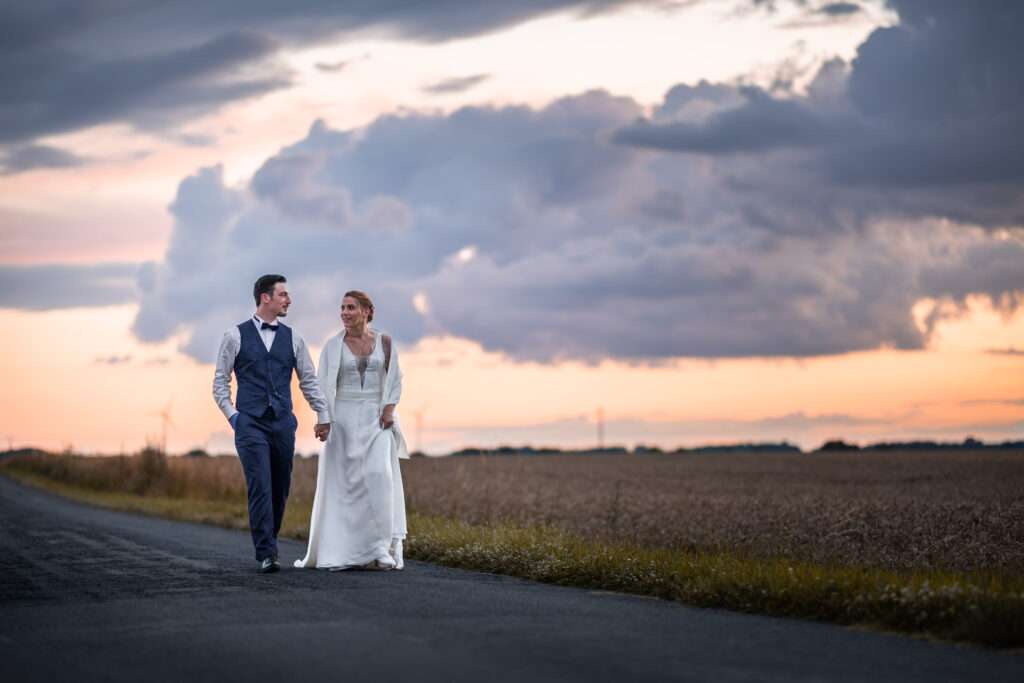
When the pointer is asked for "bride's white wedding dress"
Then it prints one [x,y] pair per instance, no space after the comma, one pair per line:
[359,506]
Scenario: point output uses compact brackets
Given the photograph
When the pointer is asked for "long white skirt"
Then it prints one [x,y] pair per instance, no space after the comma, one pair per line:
[359,506]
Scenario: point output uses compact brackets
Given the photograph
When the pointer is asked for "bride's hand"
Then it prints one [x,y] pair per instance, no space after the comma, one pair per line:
[321,431]
[387,418]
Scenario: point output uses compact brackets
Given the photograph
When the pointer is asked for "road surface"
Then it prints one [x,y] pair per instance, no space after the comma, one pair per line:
[89,594]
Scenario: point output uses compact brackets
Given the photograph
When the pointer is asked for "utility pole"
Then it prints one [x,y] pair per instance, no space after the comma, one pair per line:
[600,428]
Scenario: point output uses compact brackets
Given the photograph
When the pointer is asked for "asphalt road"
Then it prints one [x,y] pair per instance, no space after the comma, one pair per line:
[88,594]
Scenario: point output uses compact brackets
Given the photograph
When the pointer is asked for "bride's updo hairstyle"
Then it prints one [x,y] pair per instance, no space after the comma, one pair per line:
[364,302]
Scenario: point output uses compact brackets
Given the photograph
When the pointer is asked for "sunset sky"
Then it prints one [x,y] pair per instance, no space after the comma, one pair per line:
[715,220]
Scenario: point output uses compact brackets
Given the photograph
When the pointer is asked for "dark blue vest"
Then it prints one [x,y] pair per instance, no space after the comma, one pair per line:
[264,377]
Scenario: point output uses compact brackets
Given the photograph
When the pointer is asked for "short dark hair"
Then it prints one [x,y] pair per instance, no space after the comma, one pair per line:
[265,285]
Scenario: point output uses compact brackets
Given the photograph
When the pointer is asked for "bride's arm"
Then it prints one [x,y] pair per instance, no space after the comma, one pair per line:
[394,386]
[321,367]
[394,380]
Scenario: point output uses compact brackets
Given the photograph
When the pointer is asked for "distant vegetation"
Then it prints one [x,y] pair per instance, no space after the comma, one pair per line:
[970,443]
[637,450]
[831,446]
[915,540]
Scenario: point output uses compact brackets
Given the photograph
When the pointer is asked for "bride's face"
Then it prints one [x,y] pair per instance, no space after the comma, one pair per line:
[352,314]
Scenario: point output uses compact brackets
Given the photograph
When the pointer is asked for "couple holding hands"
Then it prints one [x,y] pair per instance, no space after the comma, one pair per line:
[358,517]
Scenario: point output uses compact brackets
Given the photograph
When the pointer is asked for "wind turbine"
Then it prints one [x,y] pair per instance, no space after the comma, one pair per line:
[165,421]
[418,414]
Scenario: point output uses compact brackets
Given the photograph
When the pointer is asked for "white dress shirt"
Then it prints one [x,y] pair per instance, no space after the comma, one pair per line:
[308,381]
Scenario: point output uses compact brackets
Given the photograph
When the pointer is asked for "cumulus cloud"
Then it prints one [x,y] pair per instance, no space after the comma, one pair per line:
[761,124]
[929,106]
[534,233]
[728,222]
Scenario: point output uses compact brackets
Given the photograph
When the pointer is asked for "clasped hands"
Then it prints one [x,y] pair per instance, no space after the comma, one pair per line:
[321,431]
[387,420]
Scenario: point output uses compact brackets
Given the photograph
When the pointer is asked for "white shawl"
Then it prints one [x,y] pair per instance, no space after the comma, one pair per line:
[391,387]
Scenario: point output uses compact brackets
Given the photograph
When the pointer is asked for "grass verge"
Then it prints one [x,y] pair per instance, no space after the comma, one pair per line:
[984,609]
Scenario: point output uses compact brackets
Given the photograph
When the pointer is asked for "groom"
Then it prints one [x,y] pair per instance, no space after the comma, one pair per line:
[263,353]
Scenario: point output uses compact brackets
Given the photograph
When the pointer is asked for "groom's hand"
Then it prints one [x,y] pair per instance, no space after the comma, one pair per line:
[321,431]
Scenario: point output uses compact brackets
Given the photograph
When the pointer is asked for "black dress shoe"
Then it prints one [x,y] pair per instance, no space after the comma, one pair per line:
[269,565]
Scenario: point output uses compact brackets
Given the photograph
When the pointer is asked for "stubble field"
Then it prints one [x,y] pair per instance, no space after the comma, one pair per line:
[950,510]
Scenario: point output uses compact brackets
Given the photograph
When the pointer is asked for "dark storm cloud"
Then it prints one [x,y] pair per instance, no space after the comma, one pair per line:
[994,269]
[732,223]
[946,61]
[22,158]
[50,287]
[761,123]
[64,92]
[932,106]
[455,84]
[532,233]
[70,64]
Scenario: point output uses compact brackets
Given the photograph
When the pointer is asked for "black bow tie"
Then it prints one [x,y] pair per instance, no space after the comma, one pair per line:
[268,326]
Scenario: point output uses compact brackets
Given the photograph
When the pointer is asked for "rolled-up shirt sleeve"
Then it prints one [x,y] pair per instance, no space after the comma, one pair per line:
[309,383]
[226,355]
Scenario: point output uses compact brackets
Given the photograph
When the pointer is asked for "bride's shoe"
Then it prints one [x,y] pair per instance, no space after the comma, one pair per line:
[396,553]
[382,563]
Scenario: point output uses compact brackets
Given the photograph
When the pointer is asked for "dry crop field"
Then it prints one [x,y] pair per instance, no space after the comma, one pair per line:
[945,510]
[954,510]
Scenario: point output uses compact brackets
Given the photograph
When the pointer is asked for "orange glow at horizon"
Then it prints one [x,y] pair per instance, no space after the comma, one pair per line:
[80,380]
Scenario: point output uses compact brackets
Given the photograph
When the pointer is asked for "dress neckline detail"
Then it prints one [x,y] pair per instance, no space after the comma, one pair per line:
[362,362]
[372,348]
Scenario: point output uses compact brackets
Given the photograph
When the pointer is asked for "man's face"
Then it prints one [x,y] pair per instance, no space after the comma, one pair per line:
[279,300]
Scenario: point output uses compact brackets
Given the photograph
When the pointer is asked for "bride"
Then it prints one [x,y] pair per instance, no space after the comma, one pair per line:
[358,517]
